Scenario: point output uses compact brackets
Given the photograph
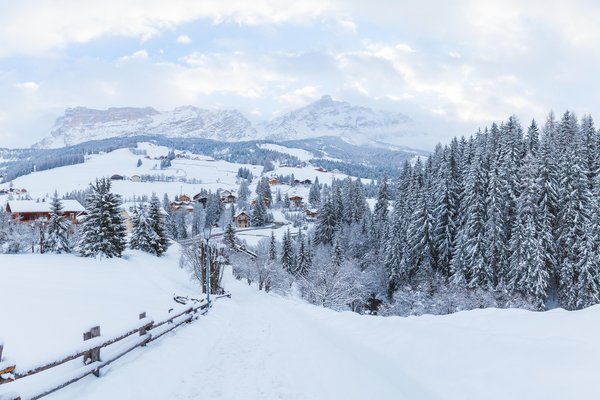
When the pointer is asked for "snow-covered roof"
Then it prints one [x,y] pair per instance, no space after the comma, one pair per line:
[34,206]
[240,213]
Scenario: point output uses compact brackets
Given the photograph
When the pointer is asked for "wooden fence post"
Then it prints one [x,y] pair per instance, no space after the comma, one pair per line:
[143,328]
[94,354]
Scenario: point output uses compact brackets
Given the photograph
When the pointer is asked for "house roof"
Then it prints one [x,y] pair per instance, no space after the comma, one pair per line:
[33,206]
[240,213]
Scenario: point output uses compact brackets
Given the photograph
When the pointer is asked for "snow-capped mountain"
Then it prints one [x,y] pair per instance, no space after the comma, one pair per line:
[82,124]
[325,117]
[328,117]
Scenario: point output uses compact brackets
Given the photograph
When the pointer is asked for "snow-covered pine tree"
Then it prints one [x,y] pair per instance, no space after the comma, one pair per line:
[287,253]
[143,236]
[303,264]
[421,249]
[528,273]
[159,224]
[259,213]
[102,229]
[326,223]
[314,194]
[381,206]
[229,236]
[57,230]
[272,247]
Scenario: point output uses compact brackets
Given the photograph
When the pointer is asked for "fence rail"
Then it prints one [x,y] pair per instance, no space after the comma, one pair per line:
[147,329]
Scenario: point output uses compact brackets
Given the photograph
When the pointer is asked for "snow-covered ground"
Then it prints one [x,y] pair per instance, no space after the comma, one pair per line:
[212,175]
[263,346]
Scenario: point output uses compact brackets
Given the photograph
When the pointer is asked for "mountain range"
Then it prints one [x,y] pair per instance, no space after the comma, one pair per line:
[325,117]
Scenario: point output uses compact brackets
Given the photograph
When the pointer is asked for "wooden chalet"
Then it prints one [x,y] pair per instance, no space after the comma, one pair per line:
[311,213]
[242,219]
[274,181]
[296,200]
[200,198]
[33,210]
[185,198]
[182,205]
[229,199]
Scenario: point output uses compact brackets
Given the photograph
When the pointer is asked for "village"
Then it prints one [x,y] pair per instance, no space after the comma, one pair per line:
[287,204]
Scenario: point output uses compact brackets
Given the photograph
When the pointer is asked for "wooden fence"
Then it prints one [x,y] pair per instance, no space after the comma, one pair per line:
[147,330]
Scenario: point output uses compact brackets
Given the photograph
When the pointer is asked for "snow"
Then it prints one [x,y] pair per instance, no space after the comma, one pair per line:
[65,295]
[301,154]
[21,206]
[212,174]
[264,346]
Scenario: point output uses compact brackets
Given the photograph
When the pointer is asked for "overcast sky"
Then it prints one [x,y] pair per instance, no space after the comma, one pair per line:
[450,65]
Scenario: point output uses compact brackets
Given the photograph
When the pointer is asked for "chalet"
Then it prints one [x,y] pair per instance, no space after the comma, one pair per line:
[136,178]
[185,198]
[296,200]
[116,177]
[200,198]
[306,182]
[32,210]
[242,219]
[274,181]
[182,205]
[311,213]
[321,169]
[229,199]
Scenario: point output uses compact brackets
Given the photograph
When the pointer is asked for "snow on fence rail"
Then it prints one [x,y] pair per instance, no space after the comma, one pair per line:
[147,329]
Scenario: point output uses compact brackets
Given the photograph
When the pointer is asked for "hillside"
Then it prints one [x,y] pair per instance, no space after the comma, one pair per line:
[263,346]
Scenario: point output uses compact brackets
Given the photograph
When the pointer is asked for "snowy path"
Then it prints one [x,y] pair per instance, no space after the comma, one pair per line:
[262,346]
[253,346]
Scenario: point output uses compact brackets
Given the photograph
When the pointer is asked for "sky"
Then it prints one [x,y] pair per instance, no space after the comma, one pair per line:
[452,66]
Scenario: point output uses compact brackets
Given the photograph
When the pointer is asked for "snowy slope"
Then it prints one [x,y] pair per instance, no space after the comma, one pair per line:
[213,174]
[262,346]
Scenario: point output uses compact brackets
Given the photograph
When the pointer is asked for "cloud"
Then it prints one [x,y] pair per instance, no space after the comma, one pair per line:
[39,28]
[300,97]
[28,87]
[138,55]
[183,39]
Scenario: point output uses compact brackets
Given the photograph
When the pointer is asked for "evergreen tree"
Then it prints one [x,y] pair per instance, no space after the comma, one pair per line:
[229,236]
[287,253]
[102,229]
[314,194]
[381,207]
[304,262]
[272,247]
[243,192]
[143,237]
[326,223]
[259,213]
[57,230]
[528,273]
[158,222]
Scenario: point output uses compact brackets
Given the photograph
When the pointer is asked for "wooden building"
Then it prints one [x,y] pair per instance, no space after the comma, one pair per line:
[296,200]
[33,210]
[242,219]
